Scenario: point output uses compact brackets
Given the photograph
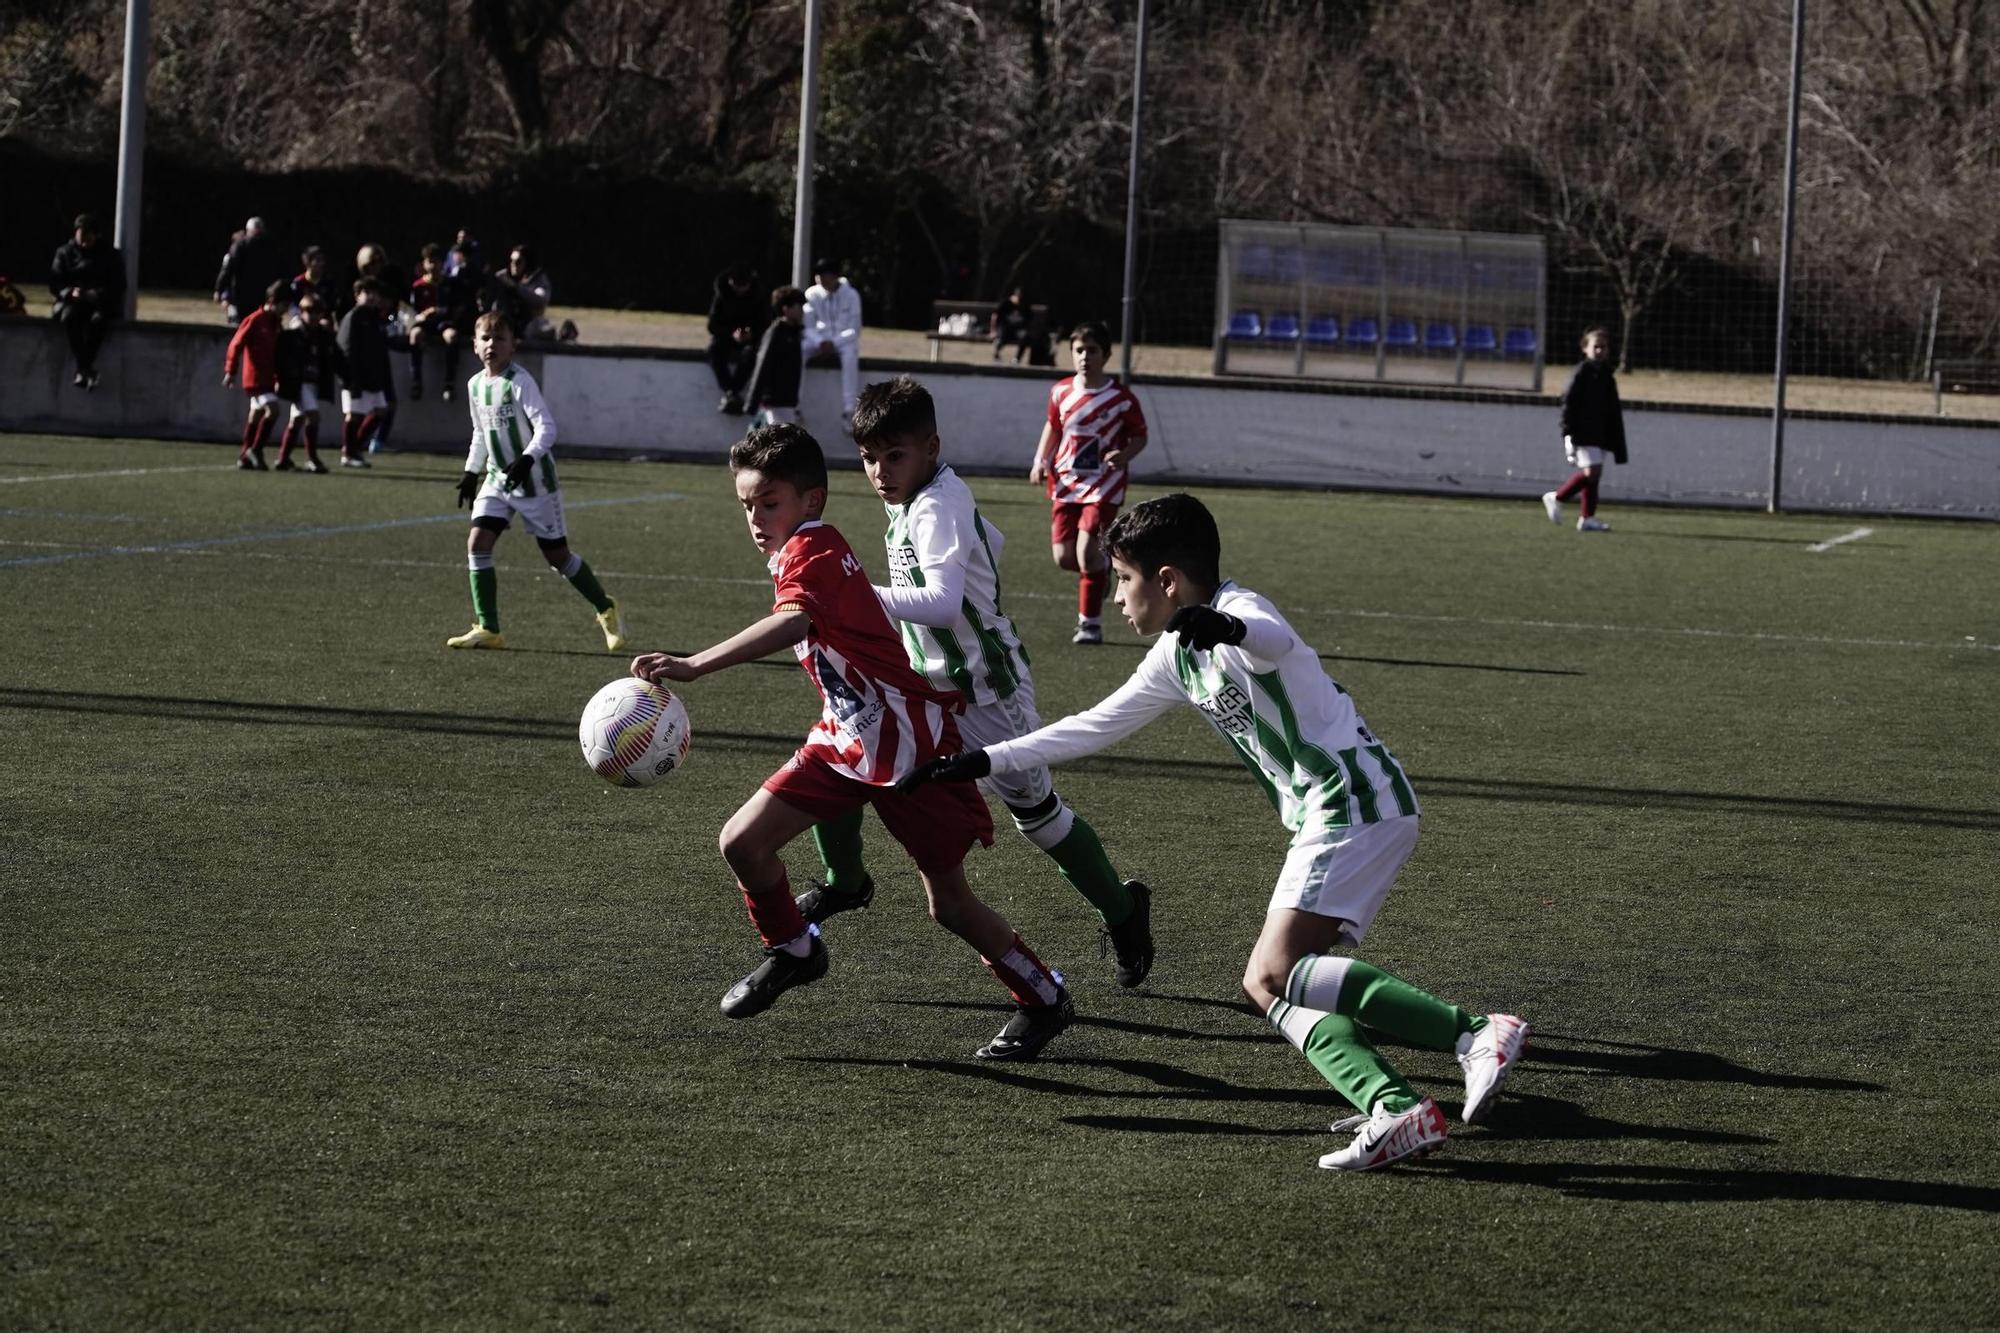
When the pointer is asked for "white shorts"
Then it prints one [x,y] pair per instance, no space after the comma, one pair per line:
[263,402]
[1584,455]
[354,404]
[541,514]
[981,725]
[1346,873]
[308,401]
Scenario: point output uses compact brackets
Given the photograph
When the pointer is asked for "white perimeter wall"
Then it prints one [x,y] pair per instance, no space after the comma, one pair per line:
[165,380]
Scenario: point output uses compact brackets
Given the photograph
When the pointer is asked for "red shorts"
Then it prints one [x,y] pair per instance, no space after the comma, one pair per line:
[936,824]
[1065,519]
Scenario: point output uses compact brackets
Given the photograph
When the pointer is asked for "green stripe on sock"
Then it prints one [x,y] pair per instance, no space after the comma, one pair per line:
[1394,1007]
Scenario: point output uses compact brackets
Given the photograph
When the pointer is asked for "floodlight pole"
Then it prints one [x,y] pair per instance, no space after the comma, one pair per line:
[1785,249]
[131,149]
[1132,202]
[802,207]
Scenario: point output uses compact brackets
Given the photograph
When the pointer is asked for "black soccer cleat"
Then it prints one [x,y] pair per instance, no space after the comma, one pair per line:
[822,900]
[1132,939]
[778,973]
[1030,1029]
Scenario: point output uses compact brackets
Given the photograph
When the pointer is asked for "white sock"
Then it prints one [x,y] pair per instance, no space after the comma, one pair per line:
[1316,980]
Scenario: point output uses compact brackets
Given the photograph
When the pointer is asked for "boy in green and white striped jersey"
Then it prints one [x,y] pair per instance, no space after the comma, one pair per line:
[1349,806]
[944,595]
[510,471]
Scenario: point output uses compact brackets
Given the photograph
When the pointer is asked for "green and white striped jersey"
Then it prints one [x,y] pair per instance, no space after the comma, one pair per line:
[500,404]
[944,592]
[1293,727]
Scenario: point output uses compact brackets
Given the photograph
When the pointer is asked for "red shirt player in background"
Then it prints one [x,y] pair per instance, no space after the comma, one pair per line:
[1094,431]
[878,721]
[255,349]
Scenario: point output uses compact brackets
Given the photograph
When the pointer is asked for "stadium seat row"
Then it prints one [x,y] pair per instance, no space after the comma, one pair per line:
[1326,331]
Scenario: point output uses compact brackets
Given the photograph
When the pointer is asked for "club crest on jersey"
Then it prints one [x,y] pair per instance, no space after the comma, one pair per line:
[1227,709]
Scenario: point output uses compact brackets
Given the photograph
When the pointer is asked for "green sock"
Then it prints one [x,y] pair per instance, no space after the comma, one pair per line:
[1081,858]
[1393,1006]
[486,598]
[839,843]
[1345,1057]
[586,583]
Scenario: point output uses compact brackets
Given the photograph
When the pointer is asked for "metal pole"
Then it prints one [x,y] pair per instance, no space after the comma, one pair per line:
[1132,201]
[1785,248]
[131,149]
[802,207]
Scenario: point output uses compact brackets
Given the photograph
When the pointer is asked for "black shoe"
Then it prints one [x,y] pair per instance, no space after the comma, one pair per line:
[778,973]
[1131,940]
[444,394]
[82,379]
[284,465]
[92,385]
[821,901]
[243,463]
[1030,1029]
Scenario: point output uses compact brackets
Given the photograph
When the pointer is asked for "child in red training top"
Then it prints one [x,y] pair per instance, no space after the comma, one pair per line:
[878,722]
[255,347]
[1094,431]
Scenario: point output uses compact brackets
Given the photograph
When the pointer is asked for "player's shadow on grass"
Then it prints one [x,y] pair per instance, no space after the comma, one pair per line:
[1620,1059]
[1687,1184]
[1118,1024]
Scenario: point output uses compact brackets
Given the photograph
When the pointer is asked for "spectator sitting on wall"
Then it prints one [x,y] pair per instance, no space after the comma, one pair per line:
[774,384]
[736,319]
[312,280]
[459,295]
[88,281]
[428,315]
[833,329]
[248,270]
[521,292]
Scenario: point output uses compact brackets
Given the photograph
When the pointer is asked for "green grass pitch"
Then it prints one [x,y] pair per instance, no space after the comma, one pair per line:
[337,993]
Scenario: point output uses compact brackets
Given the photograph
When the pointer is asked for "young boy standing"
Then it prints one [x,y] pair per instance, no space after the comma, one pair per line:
[308,361]
[255,349]
[510,471]
[878,721]
[1093,432]
[1593,427]
[944,590]
[364,360]
[774,385]
[1350,809]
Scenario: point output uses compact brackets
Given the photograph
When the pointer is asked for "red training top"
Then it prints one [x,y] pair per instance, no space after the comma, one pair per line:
[256,346]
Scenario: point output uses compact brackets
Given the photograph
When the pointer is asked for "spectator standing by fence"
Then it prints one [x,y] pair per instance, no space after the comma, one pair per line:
[88,281]
[250,266]
[833,329]
[737,315]
[774,385]
[1593,427]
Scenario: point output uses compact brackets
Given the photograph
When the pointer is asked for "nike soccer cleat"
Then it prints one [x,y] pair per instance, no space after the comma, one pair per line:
[1488,1057]
[778,973]
[1383,1138]
[1030,1029]
[821,901]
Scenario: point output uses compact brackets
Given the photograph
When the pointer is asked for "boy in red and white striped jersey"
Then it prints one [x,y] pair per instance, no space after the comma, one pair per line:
[879,720]
[1093,432]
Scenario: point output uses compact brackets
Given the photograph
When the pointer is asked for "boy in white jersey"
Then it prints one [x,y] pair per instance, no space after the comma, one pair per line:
[944,595]
[510,471]
[1352,814]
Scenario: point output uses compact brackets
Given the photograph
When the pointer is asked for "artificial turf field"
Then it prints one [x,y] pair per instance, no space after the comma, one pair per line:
[335,992]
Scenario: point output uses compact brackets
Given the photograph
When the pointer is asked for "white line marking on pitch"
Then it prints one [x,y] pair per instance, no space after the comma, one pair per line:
[119,472]
[1832,542]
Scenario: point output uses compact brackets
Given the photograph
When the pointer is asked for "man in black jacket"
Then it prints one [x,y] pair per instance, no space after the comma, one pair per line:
[88,281]
[736,319]
[248,270]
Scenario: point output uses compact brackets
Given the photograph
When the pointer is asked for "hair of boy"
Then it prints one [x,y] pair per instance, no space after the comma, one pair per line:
[1172,530]
[372,287]
[527,253]
[893,410]
[1595,331]
[87,222]
[433,251]
[1092,330]
[783,452]
[784,296]
[492,320]
[310,253]
[826,264]
[278,292]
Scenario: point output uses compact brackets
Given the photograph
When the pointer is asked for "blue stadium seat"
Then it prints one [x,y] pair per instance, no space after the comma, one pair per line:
[1440,336]
[1479,338]
[1519,342]
[1401,333]
[1363,332]
[1245,326]
[1283,328]
[1322,331]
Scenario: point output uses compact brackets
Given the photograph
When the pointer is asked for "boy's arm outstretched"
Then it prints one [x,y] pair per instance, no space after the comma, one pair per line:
[780,629]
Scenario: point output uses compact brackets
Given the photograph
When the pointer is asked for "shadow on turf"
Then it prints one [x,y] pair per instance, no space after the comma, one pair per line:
[1687,1184]
[1586,1055]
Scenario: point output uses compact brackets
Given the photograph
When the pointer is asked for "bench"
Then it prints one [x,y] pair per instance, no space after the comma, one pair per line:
[972,322]
[1963,377]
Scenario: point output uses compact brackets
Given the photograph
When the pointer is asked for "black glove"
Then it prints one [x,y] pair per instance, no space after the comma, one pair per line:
[968,767]
[1202,627]
[520,470]
[468,487]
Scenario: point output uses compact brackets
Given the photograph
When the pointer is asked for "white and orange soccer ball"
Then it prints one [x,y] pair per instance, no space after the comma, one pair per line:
[634,733]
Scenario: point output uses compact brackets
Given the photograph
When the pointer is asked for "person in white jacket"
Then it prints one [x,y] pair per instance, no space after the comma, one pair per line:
[833,327]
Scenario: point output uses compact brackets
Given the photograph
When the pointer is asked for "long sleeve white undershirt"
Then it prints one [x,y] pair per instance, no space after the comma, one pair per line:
[936,604]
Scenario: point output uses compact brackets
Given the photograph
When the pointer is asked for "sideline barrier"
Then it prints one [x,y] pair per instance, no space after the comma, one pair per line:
[164,380]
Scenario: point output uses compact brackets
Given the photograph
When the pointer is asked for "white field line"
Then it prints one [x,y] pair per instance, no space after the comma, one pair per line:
[1832,542]
[118,472]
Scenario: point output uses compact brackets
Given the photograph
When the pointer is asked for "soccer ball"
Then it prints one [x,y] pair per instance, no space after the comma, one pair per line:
[634,732]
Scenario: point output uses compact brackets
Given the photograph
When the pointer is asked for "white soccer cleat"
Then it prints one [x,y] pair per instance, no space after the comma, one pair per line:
[1488,1057]
[1385,1139]
[613,626]
[1553,505]
[1592,525]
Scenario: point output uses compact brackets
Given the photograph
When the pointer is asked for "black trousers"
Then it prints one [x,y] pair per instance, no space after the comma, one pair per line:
[86,326]
[732,363]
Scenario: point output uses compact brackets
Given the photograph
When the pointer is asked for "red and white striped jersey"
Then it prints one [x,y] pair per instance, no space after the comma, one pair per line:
[1087,423]
[878,718]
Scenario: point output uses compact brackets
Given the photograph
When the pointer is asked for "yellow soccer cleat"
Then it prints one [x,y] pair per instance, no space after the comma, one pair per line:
[477,637]
[613,625]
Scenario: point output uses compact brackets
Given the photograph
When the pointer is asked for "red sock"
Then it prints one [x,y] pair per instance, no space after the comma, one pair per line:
[249,433]
[774,913]
[285,440]
[311,433]
[1574,486]
[1031,983]
[1590,494]
[262,436]
[369,425]
[1091,585]
[350,432]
